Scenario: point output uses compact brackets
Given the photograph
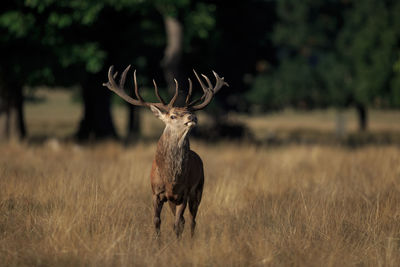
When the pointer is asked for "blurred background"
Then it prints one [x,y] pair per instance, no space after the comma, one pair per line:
[299,71]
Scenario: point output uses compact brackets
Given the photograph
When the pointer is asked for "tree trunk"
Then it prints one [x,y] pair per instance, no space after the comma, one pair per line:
[12,122]
[133,126]
[171,63]
[362,116]
[97,123]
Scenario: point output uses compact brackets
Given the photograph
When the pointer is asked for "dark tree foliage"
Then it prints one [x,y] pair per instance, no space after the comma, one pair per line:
[304,37]
[368,47]
[233,39]
[274,54]
[74,42]
[36,50]
[332,53]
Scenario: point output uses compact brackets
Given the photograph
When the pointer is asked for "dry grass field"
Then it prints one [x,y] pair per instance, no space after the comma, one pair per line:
[62,204]
[302,205]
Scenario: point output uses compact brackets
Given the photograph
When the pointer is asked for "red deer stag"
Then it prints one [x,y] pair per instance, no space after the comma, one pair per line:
[177,172]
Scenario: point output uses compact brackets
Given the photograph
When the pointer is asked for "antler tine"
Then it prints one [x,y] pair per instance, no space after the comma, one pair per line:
[219,82]
[111,77]
[206,90]
[208,81]
[136,87]
[189,93]
[157,94]
[115,75]
[201,83]
[119,90]
[123,76]
[209,91]
[172,102]
[194,102]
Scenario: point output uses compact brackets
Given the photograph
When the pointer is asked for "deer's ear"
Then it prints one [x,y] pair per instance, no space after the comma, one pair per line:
[157,112]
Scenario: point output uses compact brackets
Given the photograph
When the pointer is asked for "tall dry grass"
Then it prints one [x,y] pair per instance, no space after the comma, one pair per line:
[65,205]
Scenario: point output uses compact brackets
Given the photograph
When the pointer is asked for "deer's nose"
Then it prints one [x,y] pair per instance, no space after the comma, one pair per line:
[192,118]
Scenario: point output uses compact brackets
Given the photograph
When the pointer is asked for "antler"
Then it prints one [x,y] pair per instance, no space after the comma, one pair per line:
[208,91]
[119,90]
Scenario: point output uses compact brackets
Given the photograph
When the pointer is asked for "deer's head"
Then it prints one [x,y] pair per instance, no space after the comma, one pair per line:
[179,118]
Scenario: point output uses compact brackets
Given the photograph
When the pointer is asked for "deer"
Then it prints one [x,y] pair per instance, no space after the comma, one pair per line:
[177,174]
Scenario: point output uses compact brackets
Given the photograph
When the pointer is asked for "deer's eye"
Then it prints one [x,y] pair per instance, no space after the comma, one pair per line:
[173,117]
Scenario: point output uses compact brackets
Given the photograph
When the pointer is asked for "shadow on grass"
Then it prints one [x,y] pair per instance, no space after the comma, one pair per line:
[241,134]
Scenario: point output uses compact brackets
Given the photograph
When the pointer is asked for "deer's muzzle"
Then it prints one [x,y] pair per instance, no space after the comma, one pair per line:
[192,121]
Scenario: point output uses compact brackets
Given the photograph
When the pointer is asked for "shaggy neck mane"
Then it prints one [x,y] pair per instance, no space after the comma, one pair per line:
[172,153]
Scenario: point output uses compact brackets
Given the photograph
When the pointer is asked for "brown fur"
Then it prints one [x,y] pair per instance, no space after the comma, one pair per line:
[177,173]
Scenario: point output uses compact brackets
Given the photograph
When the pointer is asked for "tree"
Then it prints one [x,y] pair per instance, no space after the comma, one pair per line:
[367,47]
[242,47]
[36,49]
[23,61]
[184,20]
[332,53]
[74,42]
[67,43]
[304,37]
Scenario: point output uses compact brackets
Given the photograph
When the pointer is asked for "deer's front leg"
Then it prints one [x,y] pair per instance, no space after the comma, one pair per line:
[157,205]
[179,219]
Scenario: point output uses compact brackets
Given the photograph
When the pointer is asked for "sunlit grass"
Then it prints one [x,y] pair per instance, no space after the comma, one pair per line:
[62,204]
[301,205]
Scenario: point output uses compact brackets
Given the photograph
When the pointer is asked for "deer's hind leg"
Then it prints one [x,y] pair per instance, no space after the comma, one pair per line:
[179,219]
[194,202]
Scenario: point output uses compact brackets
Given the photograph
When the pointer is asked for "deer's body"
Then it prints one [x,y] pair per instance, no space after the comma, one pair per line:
[168,189]
[175,169]
[177,174]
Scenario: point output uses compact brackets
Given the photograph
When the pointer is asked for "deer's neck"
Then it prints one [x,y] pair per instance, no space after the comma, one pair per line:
[173,153]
